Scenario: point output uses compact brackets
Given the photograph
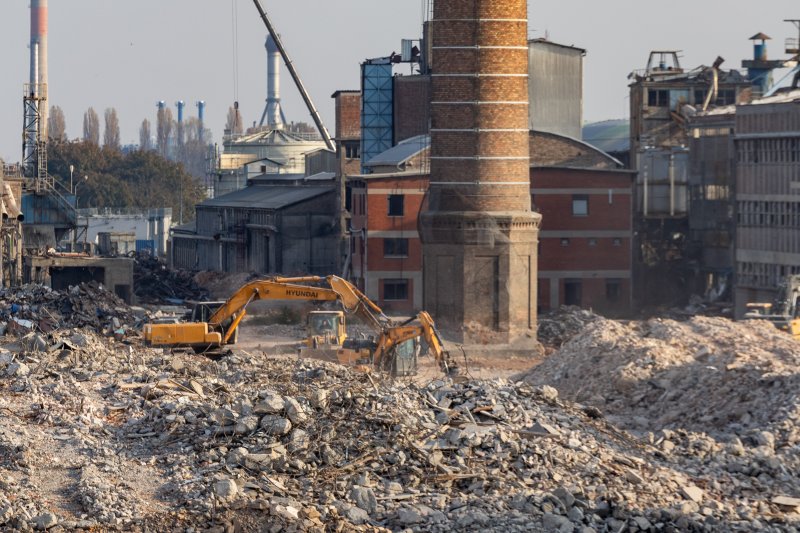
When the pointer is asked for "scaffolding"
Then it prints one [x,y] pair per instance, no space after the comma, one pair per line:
[34,149]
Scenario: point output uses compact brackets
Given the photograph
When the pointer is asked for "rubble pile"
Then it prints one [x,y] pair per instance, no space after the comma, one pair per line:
[557,327]
[705,374]
[88,305]
[154,283]
[108,436]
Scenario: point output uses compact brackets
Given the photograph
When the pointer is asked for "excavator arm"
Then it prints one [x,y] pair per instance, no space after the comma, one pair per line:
[223,323]
[425,328]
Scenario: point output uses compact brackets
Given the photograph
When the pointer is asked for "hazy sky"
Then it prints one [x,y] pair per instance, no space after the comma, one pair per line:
[129,54]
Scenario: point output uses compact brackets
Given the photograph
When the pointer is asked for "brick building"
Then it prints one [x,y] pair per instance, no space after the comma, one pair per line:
[583,194]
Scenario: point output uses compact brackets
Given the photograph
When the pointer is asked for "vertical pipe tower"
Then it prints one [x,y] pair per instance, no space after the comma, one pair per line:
[479,233]
[273,116]
[38,48]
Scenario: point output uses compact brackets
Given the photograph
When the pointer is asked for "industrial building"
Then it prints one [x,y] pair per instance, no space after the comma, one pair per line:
[767,198]
[585,198]
[273,146]
[264,228]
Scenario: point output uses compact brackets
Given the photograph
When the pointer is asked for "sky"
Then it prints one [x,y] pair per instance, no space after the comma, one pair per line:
[129,54]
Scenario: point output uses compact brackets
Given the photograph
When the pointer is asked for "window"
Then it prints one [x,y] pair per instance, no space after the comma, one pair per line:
[572,292]
[657,98]
[592,242]
[580,205]
[395,247]
[564,242]
[395,289]
[613,290]
[616,241]
[352,150]
[396,205]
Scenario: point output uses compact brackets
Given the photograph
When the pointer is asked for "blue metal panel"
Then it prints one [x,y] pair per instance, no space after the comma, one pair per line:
[45,209]
[145,244]
[377,121]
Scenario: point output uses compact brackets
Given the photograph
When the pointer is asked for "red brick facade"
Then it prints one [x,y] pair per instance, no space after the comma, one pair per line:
[585,242]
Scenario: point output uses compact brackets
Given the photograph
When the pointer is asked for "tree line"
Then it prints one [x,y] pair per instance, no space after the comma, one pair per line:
[188,142]
[167,174]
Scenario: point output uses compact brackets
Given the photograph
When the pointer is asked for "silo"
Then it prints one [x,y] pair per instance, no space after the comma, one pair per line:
[479,233]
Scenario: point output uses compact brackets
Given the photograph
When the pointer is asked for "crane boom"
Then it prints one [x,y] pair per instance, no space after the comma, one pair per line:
[296,77]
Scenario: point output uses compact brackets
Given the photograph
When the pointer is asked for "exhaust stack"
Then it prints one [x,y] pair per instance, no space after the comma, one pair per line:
[273,114]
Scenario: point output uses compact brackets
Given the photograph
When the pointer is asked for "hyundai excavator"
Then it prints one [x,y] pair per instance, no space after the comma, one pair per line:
[393,348]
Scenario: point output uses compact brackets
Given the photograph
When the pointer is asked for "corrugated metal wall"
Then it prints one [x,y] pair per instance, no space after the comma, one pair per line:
[556,89]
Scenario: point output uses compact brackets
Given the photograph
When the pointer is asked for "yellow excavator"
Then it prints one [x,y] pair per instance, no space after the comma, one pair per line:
[393,348]
[784,311]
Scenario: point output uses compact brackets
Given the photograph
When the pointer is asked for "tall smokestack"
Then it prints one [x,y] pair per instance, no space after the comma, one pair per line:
[39,55]
[273,114]
[201,116]
[479,234]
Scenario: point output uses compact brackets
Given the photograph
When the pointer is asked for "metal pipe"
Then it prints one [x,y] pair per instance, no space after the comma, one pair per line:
[272,112]
[39,56]
[644,194]
[671,184]
[296,77]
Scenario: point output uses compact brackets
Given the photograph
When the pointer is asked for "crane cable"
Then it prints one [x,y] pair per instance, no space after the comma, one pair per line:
[235,48]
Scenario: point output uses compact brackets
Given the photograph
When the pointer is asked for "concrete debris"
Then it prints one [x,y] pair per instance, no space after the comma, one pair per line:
[154,283]
[106,435]
[36,308]
[557,327]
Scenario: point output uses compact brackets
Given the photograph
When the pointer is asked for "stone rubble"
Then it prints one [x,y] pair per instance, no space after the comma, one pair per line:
[98,433]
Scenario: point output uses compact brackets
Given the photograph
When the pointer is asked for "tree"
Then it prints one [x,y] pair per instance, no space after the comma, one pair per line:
[139,179]
[164,123]
[234,122]
[145,142]
[195,149]
[56,125]
[91,127]
[111,133]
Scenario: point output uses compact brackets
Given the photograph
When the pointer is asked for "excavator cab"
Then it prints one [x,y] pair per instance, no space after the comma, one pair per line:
[326,329]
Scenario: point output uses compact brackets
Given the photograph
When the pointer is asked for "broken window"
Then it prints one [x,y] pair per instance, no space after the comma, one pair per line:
[395,247]
[395,289]
[580,205]
[657,98]
[352,150]
[396,202]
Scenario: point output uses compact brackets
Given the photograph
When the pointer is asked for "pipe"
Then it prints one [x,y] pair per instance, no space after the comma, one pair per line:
[296,77]
[39,56]
[11,203]
[272,112]
[671,184]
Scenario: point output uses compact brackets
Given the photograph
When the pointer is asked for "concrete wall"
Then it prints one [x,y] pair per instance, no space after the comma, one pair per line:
[151,224]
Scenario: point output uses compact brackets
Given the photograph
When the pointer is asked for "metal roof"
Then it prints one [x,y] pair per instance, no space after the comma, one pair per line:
[400,153]
[266,197]
[609,135]
[271,138]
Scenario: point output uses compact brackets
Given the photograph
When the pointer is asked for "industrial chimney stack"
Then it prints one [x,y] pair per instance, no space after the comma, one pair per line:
[38,48]
[479,234]
[273,114]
